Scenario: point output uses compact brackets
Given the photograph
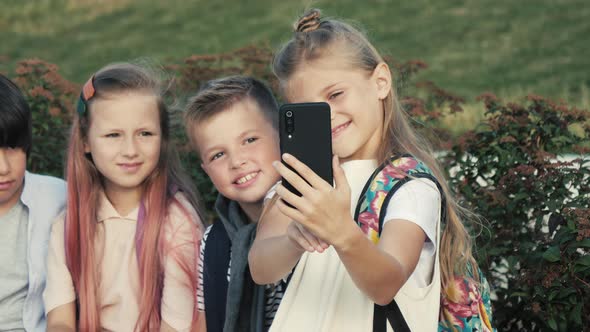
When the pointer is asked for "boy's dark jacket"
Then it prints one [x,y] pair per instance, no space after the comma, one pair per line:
[239,305]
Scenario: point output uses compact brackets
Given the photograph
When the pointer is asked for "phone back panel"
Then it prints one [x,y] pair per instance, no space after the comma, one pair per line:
[308,137]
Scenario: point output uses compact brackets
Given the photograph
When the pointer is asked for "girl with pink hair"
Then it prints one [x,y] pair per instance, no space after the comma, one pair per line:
[123,256]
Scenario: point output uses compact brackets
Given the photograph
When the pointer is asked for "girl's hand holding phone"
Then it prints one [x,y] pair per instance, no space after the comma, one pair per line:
[322,210]
[303,239]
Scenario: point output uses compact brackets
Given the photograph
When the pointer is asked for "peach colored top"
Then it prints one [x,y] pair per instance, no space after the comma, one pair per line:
[119,287]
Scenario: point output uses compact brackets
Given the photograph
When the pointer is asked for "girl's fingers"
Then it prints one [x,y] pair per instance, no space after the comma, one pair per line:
[295,235]
[307,173]
[293,178]
[339,176]
[289,197]
[299,220]
[311,239]
[290,212]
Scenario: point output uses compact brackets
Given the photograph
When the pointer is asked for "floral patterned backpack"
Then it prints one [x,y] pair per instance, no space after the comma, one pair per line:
[465,305]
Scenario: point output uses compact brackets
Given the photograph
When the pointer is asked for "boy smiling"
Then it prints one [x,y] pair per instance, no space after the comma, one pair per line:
[232,123]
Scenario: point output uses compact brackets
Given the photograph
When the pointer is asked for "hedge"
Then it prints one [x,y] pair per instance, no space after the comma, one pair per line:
[533,235]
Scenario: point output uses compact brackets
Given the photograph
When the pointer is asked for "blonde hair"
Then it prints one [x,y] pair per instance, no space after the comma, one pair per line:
[218,95]
[315,38]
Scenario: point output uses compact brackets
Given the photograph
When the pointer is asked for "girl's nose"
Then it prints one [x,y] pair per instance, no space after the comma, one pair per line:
[332,111]
[129,147]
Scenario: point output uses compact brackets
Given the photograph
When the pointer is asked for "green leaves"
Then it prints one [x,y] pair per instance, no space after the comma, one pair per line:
[536,210]
[552,254]
[535,232]
[51,99]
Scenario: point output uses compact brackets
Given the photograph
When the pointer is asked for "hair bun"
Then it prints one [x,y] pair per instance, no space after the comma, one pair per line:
[310,21]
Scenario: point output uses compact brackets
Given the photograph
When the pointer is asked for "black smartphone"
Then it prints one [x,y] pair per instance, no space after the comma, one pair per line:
[305,132]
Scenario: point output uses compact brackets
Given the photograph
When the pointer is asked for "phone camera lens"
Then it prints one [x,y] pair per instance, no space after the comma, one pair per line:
[290,121]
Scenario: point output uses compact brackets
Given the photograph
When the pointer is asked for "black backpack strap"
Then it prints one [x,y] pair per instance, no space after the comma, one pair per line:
[362,197]
[400,183]
[215,264]
[391,313]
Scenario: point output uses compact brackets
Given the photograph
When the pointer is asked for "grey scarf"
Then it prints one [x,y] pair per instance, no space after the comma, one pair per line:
[245,300]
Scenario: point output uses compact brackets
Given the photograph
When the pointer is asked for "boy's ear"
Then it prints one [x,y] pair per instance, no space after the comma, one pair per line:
[382,77]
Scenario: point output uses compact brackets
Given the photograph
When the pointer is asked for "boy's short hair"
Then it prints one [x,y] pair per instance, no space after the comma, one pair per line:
[218,95]
[16,129]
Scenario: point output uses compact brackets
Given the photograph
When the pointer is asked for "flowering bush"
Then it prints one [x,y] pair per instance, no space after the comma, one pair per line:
[250,60]
[51,98]
[535,242]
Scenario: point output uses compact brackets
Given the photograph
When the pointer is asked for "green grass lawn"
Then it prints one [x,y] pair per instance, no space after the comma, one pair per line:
[511,48]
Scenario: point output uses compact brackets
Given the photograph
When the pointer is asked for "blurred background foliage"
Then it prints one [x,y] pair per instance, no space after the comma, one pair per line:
[511,48]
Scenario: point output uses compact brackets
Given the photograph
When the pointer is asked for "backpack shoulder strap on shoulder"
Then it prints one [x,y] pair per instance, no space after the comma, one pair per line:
[370,214]
[381,186]
[215,264]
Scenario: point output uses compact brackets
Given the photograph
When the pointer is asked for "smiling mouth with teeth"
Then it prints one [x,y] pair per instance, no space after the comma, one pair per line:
[340,128]
[246,178]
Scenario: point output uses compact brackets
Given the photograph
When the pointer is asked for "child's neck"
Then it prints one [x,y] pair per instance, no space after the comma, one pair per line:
[124,201]
[8,205]
[252,211]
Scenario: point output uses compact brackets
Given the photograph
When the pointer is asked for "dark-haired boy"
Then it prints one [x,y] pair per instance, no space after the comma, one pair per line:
[232,123]
[28,204]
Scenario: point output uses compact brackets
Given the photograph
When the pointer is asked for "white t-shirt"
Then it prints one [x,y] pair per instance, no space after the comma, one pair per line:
[416,201]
